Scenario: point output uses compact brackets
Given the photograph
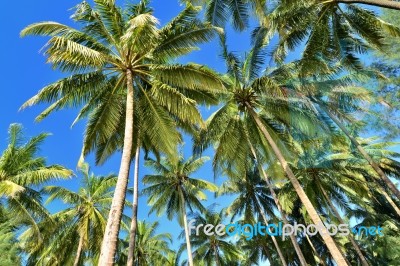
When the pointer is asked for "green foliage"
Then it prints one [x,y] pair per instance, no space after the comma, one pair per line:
[22,172]
[296,102]
[172,190]
[109,42]
[385,110]
[83,219]
[214,249]
[9,246]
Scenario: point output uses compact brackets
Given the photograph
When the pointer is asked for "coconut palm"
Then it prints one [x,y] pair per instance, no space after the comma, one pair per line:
[252,200]
[260,100]
[328,182]
[22,172]
[238,12]
[173,191]
[215,249]
[10,254]
[151,248]
[340,100]
[333,31]
[74,235]
[117,55]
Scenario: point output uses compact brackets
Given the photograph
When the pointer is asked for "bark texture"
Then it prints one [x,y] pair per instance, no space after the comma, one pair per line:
[110,240]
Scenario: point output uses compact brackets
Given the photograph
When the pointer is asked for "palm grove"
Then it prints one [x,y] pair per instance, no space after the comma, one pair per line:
[291,140]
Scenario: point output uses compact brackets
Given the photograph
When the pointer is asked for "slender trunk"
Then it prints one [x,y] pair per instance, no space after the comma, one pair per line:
[315,250]
[352,241]
[79,251]
[389,199]
[132,232]
[374,165]
[334,250]
[110,240]
[267,254]
[187,235]
[381,3]
[293,239]
[278,249]
[216,256]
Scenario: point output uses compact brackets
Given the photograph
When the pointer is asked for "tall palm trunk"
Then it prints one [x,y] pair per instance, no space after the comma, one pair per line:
[132,232]
[278,249]
[334,250]
[293,239]
[336,213]
[374,165]
[322,261]
[110,240]
[79,251]
[187,235]
[380,3]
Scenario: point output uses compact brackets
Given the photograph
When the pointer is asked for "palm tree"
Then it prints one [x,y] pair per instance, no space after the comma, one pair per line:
[215,249]
[331,31]
[133,228]
[22,171]
[260,100]
[252,199]
[172,190]
[10,254]
[151,248]
[78,229]
[330,181]
[339,99]
[218,12]
[122,53]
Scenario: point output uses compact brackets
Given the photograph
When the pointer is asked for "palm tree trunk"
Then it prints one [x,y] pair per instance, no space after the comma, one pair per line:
[374,165]
[132,232]
[334,250]
[216,256]
[110,240]
[278,249]
[381,3]
[315,250]
[187,235]
[389,199]
[267,253]
[79,251]
[296,246]
[352,241]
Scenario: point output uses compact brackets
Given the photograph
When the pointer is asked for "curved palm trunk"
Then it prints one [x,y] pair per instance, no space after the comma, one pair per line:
[381,3]
[296,246]
[278,249]
[374,165]
[132,232]
[110,239]
[352,241]
[315,250]
[334,250]
[79,251]
[187,236]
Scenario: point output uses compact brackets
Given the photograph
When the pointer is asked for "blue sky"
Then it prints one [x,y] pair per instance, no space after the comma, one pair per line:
[24,72]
